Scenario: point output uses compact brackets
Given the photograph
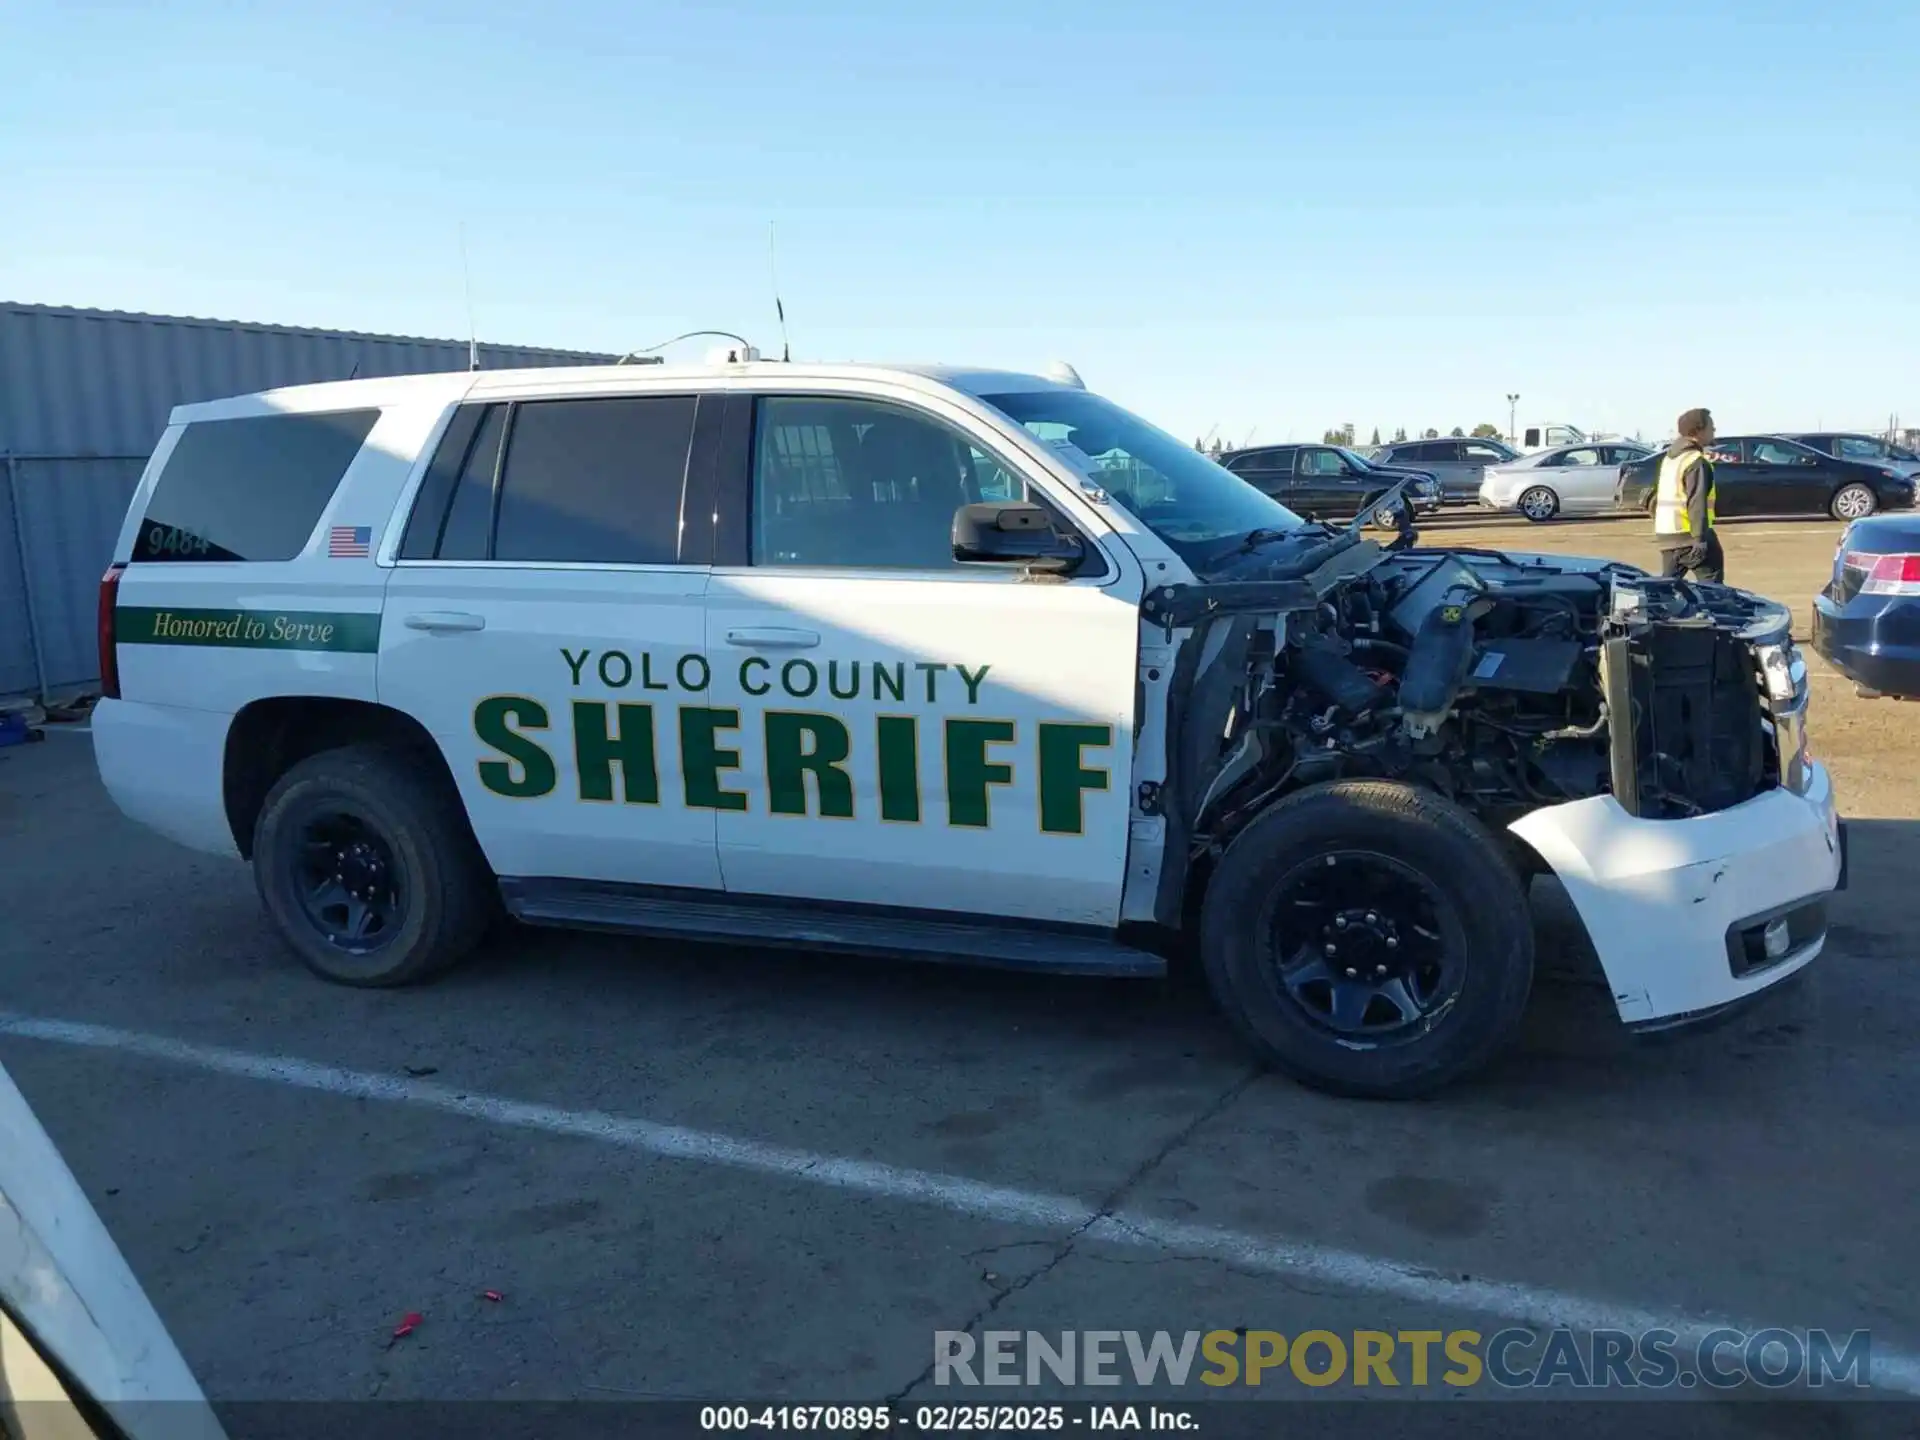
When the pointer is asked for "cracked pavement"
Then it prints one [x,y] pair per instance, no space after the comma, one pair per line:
[282,1233]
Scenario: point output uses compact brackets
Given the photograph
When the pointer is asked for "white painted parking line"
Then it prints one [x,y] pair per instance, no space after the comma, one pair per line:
[1893,1370]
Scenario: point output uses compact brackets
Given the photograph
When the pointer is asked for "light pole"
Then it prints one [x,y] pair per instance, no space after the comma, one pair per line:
[1513,404]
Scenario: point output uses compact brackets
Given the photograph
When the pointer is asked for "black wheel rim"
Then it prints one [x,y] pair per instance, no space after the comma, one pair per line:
[349,883]
[1364,947]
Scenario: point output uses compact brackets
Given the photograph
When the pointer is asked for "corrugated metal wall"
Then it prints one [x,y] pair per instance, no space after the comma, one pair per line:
[84,394]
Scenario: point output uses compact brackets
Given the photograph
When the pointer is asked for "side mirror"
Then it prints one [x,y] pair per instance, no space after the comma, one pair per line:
[1012,533]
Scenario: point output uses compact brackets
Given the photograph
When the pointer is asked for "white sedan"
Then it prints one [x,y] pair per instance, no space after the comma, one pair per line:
[1566,480]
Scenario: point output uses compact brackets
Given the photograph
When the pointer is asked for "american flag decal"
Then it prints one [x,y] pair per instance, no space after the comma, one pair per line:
[349,542]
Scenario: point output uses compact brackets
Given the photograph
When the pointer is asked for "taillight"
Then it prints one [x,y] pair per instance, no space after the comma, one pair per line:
[1884,574]
[109,652]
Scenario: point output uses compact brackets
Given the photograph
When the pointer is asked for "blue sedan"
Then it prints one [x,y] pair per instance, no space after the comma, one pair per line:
[1867,620]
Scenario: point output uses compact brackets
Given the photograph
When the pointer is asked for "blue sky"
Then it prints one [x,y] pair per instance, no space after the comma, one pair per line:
[1267,218]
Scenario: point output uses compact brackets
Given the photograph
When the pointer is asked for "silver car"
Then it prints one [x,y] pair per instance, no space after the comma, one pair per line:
[1567,480]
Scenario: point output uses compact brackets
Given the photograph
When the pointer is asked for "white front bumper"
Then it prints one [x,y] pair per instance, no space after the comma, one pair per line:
[1659,896]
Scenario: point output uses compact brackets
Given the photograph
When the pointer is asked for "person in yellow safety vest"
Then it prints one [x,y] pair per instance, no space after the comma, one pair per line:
[1683,514]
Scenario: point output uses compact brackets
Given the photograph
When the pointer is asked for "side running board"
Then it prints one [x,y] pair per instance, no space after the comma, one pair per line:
[682,915]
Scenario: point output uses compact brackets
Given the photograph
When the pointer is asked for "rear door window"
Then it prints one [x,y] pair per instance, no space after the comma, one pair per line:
[596,482]
[467,533]
[250,489]
[1770,452]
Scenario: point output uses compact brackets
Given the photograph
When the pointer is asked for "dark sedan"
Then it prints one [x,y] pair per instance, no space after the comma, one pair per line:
[1460,463]
[1323,481]
[1851,445]
[1867,620]
[1771,475]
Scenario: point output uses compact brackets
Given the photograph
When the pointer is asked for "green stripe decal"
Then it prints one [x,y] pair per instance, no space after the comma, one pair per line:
[354,634]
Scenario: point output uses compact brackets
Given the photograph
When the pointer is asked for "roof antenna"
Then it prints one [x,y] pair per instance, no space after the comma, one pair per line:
[773,271]
[466,276]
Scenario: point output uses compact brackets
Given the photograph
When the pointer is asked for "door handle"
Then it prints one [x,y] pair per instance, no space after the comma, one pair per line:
[773,637]
[444,621]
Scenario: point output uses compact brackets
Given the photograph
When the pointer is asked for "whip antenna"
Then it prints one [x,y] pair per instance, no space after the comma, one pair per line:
[780,310]
[466,277]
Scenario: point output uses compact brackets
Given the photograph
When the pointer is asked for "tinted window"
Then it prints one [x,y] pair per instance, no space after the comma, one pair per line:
[864,485]
[1855,448]
[595,481]
[1494,454]
[436,487]
[1261,460]
[249,489]
[1437,450]
[468,531]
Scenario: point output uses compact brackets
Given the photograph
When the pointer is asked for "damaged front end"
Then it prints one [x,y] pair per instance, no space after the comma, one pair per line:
[1507,683]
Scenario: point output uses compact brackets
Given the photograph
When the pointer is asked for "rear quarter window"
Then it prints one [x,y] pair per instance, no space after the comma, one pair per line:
[249,489]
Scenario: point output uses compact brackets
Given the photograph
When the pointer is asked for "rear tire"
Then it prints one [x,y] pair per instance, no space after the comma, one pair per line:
[364,860]
[1853,501]
[1418,866]
[1538,503]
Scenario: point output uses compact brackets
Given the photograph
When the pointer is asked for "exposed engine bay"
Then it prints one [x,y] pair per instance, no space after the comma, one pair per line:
[1504,682]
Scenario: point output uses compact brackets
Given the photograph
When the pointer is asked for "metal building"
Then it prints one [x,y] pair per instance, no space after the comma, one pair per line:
[85,394]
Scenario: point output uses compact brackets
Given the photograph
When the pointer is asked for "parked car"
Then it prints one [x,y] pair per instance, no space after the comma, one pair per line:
[1459,464]
[1772,475]
[1866,622]
[1871,448]
[1570,480]
[1321,481]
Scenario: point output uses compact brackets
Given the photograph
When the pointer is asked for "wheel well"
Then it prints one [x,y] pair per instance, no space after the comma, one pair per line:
[270,737]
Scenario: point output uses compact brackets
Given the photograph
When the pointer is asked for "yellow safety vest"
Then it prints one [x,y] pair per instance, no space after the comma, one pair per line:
[1670,495]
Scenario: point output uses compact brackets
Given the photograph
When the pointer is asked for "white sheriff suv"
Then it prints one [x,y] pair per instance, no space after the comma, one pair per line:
[944,663]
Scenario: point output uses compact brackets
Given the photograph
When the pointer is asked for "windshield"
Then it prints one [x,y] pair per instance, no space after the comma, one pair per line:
[1170,487]
[1355,458]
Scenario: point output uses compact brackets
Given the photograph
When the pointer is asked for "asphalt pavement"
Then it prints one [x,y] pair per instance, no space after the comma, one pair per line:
[713,1174]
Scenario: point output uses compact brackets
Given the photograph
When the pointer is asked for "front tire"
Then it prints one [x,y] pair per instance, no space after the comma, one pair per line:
[1853,501]
[1538,503]
[1369,939]
[364,860]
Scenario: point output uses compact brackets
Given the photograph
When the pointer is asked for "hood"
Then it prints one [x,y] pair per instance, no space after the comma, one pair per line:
[1681,446]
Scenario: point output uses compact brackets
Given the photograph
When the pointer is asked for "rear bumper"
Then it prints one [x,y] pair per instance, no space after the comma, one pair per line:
[165,766]
[1873,641]
[1668,903]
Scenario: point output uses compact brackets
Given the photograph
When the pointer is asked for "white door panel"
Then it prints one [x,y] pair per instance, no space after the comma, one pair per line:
[555,694]
[952,742]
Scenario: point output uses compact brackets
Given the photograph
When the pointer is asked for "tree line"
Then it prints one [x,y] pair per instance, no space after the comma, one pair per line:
[1346,435]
